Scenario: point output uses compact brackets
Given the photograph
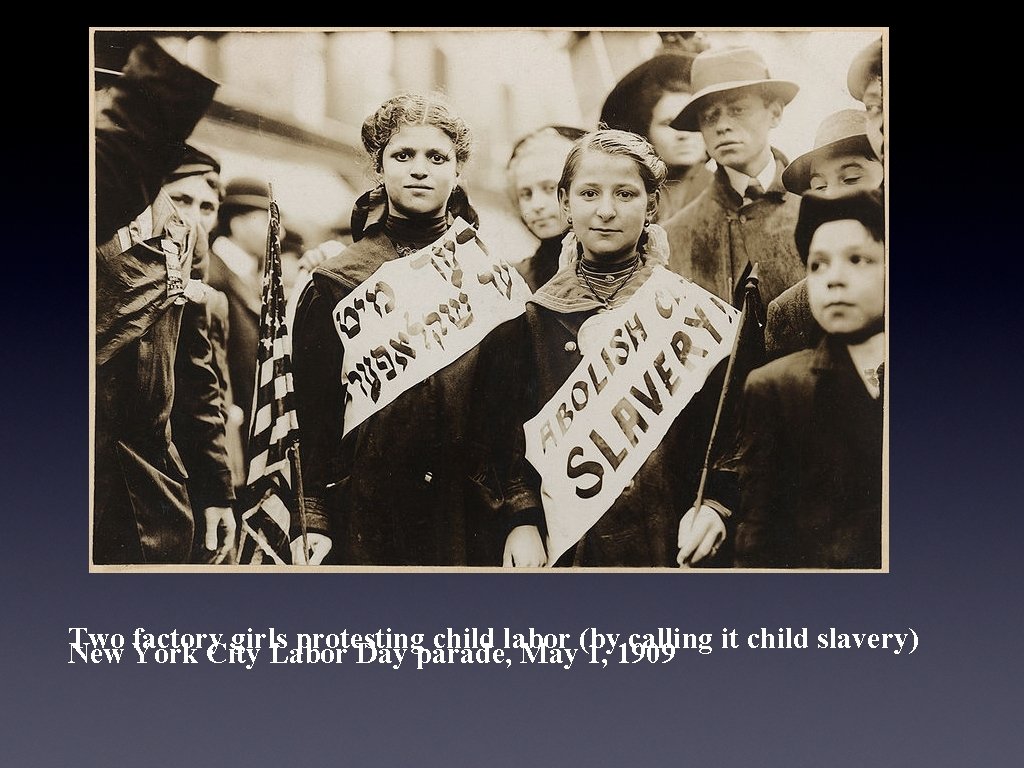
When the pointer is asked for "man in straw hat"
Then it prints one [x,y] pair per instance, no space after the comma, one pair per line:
[841,163]
[746,214]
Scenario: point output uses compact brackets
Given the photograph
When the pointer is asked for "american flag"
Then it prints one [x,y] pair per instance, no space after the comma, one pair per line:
[274,427]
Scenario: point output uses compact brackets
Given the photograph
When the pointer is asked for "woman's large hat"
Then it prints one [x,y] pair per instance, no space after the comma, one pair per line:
[729,69]
[841,133]
[629,104]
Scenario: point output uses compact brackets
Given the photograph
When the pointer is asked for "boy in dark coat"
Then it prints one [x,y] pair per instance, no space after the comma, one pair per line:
[810,445]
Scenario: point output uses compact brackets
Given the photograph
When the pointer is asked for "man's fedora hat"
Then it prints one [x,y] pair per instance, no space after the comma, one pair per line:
[841,133]
[866,66]
[728,69]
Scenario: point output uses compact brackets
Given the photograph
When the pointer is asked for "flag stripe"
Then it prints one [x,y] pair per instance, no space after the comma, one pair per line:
[269,367]
[274,425]
[282,423]
[262,465]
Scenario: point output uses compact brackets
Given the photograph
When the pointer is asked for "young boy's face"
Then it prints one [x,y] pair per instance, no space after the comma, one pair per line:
[735,126]
[845,277]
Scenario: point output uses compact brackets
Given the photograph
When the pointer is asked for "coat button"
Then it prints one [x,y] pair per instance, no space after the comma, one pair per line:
[570,346]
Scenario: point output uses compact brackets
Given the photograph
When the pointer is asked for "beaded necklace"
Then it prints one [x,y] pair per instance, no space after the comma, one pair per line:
[605,285]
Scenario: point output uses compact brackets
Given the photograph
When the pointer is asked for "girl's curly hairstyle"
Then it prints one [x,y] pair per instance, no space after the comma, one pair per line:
[414,109]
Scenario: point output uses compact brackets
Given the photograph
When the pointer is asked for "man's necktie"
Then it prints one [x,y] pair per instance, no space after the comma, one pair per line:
[754,191]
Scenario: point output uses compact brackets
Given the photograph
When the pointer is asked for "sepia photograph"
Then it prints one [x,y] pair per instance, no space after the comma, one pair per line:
[493,299]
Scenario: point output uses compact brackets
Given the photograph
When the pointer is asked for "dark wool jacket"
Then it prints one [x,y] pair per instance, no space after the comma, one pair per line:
[199,413]
[536,354]
[810,464]
[404,487]
[141,507]
[244,309]
[677,193]
[542,266]
[712,239]
[791,326]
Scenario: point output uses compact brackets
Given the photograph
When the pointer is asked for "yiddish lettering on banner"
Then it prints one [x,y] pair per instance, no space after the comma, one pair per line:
[642,363]
[415,315]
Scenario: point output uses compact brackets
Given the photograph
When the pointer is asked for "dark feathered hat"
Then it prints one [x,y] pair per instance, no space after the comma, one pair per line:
[629,105]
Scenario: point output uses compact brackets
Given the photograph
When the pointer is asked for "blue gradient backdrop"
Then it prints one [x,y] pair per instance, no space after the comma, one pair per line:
[955,569]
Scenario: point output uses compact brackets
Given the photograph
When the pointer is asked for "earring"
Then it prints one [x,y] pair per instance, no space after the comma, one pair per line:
[568,220]
[647,223]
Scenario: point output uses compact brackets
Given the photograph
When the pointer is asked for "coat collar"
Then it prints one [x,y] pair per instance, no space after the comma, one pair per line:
[829,355]
[836,372]
[355,264]
[565,292]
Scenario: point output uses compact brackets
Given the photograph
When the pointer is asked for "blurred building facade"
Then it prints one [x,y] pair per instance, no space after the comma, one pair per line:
[291,105]
[292,101]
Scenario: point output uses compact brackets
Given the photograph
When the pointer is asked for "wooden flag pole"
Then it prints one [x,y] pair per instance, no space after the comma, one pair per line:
[302,501]
[750,283]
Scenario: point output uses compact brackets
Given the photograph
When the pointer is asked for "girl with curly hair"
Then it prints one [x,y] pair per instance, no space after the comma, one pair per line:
[395,490]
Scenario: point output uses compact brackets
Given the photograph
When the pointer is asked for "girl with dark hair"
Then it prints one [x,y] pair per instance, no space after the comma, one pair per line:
[393,488]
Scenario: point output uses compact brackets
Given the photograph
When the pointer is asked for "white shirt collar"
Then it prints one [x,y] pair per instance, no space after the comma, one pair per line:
[740,180]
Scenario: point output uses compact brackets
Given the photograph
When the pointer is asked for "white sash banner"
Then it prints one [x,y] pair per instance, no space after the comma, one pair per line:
[642,363]
[417,314]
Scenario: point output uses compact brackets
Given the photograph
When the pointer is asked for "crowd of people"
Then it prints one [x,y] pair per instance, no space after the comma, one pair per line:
[671,237]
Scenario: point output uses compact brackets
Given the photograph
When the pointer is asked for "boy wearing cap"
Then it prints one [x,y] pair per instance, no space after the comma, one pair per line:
[746,214]
[810,445]
[203,419]
[842,162]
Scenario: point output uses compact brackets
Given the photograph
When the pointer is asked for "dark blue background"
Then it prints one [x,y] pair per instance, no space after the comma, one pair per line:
[955,569]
